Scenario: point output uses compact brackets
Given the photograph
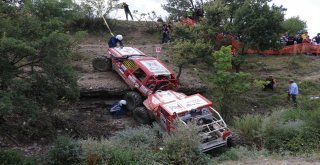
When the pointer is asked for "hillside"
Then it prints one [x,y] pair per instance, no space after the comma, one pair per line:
[88,117]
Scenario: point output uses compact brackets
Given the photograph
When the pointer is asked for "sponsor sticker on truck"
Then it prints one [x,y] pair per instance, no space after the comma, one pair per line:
[155,67]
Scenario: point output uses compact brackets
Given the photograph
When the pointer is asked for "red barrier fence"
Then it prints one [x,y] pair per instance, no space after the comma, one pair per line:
[291,49]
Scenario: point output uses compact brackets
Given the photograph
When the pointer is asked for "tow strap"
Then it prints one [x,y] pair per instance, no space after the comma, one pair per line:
[105,21]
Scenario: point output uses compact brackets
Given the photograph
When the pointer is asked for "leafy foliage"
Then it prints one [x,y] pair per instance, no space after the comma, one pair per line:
[255,17]
[65,151]
[147,145]
[178,8]
[294,25]
[187,52]
[35,53]
[248,128]
[14,157]
[227,84]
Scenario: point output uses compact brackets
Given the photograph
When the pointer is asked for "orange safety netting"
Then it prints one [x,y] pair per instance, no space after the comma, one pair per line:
[291,49]
[189,22]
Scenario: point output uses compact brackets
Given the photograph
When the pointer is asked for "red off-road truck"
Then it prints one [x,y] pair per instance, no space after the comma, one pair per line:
[143,74]
[168,106]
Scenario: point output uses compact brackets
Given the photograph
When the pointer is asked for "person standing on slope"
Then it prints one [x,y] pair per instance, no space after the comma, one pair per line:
[127,10]
[293,92]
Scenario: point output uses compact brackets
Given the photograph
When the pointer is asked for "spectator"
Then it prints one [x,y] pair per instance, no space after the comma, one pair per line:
[317,39]
[166,28]
[284,39]
[127,10]
[118,108]
[114,40]
[304,35]
[290,40]
[307,40]
[271,83]
[293,91]
[199,13]
[299,39]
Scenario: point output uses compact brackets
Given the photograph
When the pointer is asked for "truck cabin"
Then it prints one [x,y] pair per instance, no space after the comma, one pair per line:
[154,75]
[189,109]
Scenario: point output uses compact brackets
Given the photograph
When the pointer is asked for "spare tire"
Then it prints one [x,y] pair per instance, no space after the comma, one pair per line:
[134,99]
[102,64]
[141,115]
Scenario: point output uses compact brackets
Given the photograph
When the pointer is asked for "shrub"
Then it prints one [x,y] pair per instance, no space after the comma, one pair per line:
[248,127]
[312,118]
[183,141]
[146,145]
[309,87]
[306,103]
[278,138]
[291,131]
[130,146]
[14,157]
[64,151]
[231,154]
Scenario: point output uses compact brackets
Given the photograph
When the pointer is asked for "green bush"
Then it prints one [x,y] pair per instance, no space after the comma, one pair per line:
[130,146]
[313,118]
[8,157]
[248,128]
[231,154]
[306,103]
[146,145]
[293,131]
[183,141]
[65,151]
[309,87]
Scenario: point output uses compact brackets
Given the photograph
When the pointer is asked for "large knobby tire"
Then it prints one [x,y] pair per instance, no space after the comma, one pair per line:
[134,99]
[141,115]
[102,64]
[233,140]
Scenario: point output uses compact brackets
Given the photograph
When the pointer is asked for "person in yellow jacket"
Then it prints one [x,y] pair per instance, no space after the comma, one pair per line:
[304,35]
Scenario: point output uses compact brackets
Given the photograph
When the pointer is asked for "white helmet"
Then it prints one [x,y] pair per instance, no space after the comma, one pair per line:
[123,102]
[119,37]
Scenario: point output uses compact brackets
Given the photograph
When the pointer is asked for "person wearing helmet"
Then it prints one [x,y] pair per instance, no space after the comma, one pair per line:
[114,40]
[118,108]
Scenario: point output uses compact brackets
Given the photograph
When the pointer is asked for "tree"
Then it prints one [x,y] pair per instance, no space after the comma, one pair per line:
[178,8]
[233,5]
[187,52]
[99,7]
[35,70]
[294,25]
[227,85]
[216,14]
[257,26]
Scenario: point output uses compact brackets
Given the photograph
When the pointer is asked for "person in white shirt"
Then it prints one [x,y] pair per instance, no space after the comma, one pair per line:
[293,91]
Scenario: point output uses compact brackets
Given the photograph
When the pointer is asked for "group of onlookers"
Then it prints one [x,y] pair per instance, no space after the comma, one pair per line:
[287,39]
